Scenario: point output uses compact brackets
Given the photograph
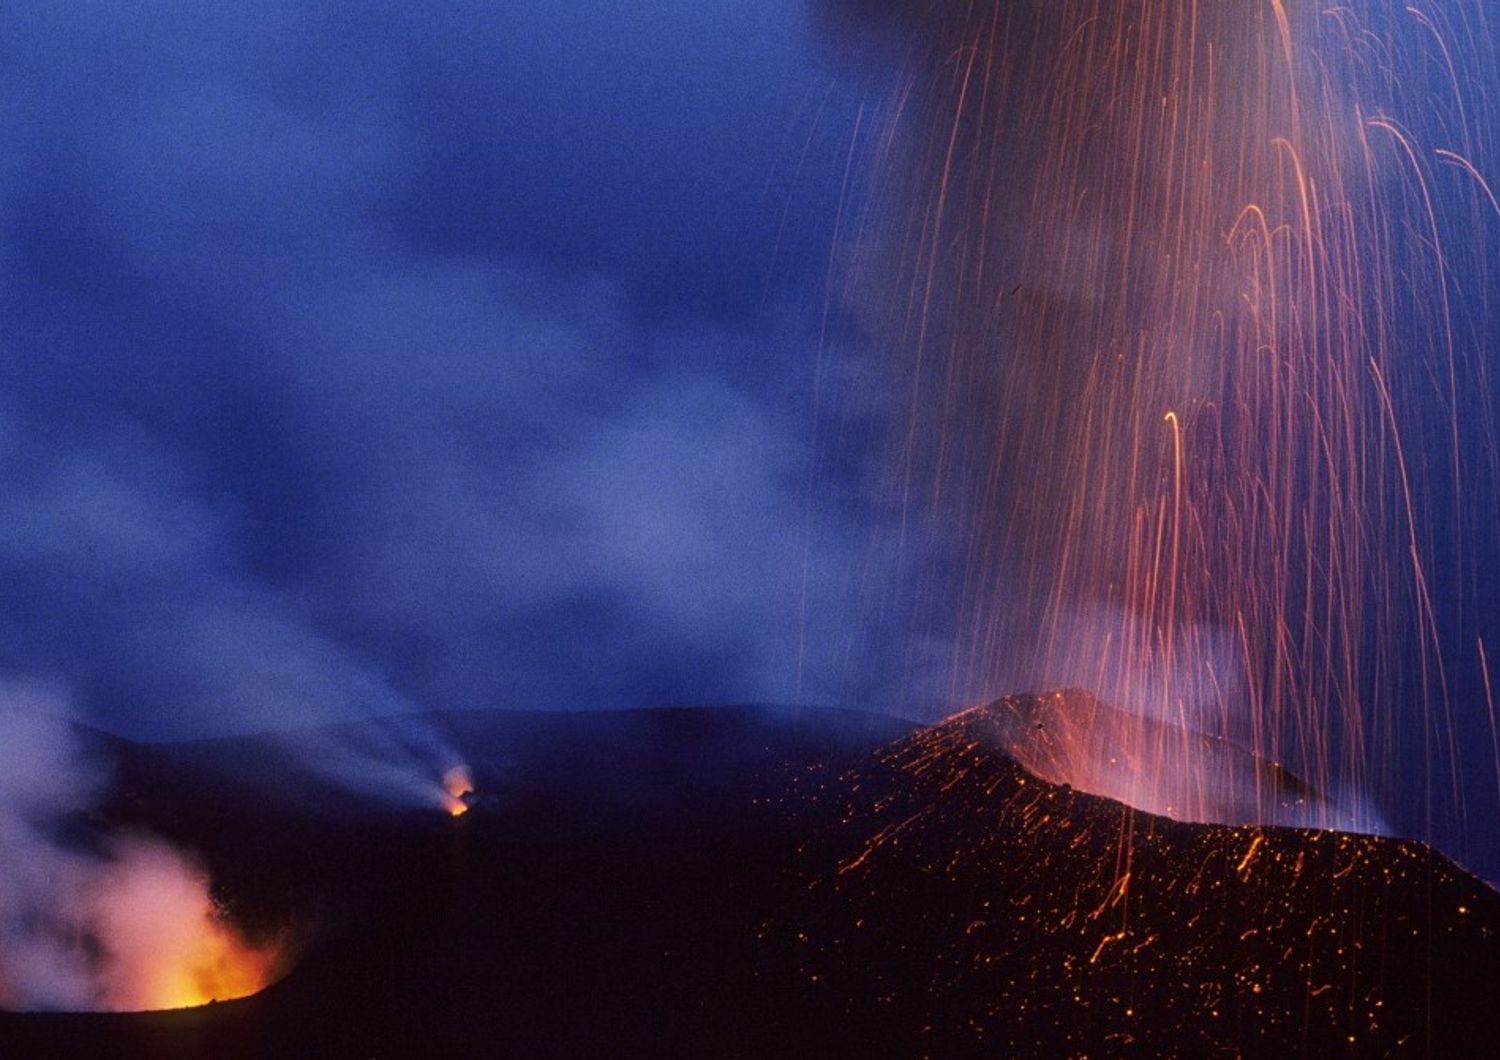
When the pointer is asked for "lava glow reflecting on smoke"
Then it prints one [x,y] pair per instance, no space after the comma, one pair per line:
[166,943]
[458,784]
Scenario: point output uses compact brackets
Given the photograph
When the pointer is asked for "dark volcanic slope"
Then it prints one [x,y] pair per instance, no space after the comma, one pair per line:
[757,883]
[960,904]
[599,899]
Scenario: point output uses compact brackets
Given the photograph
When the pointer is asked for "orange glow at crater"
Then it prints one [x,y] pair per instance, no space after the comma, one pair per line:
[218,966]
[168,944]
[458,783]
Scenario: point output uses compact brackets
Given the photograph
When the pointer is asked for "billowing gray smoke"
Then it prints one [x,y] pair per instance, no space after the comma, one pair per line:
[361,365]
[91,922]
[369,365]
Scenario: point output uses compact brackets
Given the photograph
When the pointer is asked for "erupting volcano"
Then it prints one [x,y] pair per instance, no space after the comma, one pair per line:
[808,883]
[1133,535]
[1195,309]
[958,904]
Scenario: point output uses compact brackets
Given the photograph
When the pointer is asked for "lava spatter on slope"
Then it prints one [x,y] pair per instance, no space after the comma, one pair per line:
[1161,767]
[955,900]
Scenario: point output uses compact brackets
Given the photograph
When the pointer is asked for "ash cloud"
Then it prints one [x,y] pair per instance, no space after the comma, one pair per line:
[361,364]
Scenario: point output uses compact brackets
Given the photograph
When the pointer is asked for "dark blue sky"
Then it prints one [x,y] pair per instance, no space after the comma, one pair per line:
[376,357]
[366,357]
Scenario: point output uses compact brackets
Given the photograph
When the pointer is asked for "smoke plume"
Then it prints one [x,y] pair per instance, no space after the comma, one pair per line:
[93,921]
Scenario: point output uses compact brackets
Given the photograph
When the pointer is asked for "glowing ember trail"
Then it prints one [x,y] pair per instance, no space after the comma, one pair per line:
[951,896]
[1198,299]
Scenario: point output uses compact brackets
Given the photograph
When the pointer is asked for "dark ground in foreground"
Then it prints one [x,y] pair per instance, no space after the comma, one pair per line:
[750,882]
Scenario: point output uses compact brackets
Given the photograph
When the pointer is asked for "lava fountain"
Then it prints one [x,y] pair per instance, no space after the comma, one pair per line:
[1196,302]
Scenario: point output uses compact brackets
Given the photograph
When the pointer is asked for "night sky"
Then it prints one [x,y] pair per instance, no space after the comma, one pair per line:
[369,358]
